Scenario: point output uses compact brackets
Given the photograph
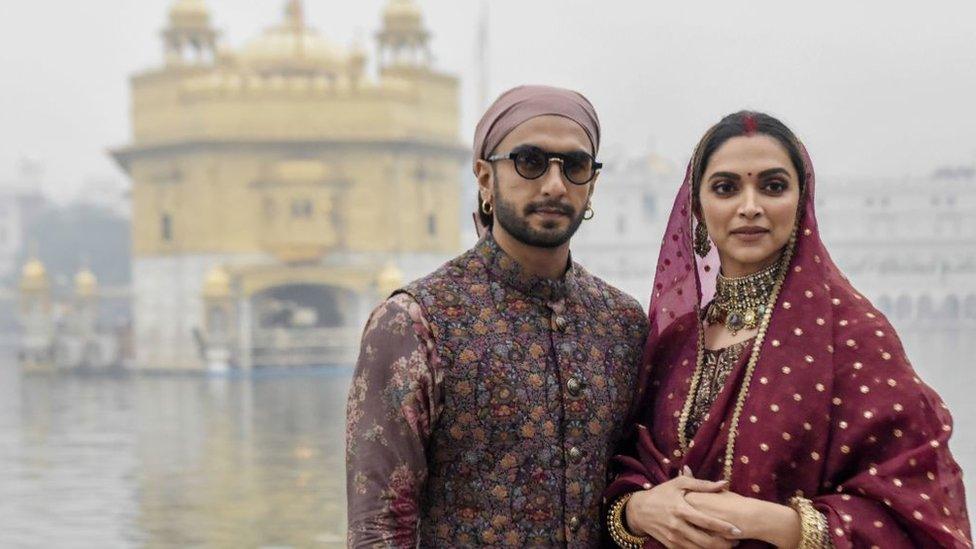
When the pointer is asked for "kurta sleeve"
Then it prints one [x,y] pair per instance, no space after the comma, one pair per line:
[393,403]
[890,479]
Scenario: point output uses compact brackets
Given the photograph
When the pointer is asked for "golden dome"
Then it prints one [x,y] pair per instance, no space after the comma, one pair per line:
[33,276]
[189,13]
[290,48]
[389,279]
[85,283]
[402,21]
[217,283]
[402,11]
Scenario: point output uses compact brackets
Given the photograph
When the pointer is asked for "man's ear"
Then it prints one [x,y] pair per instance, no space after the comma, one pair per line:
[483,173]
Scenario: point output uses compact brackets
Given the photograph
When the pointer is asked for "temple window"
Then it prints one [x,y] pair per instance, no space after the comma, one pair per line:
[166,227]
[301,208]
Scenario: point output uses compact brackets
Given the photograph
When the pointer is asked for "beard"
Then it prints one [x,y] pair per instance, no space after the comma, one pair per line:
[517,225]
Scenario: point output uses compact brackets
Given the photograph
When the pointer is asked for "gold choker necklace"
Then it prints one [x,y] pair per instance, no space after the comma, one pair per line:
[740,302]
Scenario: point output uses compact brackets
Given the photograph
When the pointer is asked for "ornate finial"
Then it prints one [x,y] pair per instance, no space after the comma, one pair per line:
[295,14]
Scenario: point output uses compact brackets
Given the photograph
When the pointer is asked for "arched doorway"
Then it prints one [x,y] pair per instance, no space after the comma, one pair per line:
[302,325]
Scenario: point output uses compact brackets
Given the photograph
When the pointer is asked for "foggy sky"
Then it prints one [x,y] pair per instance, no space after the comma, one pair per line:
[883,88]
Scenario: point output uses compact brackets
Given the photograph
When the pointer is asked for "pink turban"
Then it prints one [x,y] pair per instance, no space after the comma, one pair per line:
[524,102]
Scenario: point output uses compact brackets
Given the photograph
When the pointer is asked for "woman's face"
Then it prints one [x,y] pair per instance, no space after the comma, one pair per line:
[749,195]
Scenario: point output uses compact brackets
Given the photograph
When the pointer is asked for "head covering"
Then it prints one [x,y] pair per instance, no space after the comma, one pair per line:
[524,102]
[832,408]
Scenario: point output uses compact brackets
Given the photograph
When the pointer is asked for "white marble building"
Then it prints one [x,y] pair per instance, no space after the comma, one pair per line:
[908,243]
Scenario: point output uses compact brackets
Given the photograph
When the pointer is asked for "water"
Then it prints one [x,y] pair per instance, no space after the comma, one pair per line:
[185,461]
[172,461]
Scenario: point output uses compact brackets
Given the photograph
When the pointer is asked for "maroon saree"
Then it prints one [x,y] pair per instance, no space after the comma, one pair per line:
[832,409]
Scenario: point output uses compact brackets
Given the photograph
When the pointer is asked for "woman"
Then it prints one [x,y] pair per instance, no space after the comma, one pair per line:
[788,386]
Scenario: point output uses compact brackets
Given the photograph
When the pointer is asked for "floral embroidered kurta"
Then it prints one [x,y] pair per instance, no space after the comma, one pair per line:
[486,404]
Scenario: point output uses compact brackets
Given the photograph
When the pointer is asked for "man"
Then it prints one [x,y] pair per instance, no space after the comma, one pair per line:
[489,395]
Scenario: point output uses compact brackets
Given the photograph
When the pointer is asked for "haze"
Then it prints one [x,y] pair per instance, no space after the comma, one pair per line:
[873,88]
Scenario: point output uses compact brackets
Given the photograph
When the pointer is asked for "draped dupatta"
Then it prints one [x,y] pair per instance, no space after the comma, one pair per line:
[827,407]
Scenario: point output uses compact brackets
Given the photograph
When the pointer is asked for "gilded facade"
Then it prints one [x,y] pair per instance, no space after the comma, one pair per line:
[279,186]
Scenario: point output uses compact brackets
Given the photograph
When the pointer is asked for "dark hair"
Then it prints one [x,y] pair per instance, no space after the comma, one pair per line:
[738,124]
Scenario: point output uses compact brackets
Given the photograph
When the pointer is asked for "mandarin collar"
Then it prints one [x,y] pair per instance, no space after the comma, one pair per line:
[504,268]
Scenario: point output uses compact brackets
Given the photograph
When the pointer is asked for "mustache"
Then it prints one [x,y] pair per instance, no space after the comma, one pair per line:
[557,206]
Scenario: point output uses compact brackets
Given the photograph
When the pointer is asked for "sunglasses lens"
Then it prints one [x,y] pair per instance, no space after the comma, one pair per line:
[530,164]
[578,168]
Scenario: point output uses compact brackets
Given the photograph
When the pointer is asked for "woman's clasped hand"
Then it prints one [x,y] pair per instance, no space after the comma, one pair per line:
[665,513]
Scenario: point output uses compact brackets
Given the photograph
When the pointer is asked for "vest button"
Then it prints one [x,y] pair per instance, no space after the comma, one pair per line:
[574,523]
[575,454]
[561,323]
[574,386]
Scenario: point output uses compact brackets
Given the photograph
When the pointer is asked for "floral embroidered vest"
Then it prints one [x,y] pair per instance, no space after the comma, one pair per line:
[537,376]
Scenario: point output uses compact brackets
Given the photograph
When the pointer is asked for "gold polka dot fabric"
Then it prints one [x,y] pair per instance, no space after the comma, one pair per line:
[832,410]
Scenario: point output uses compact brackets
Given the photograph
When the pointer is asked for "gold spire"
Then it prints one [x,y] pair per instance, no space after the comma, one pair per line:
[295,14]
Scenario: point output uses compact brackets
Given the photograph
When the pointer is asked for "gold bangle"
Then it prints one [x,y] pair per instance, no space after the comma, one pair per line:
[618,530]
[813,525]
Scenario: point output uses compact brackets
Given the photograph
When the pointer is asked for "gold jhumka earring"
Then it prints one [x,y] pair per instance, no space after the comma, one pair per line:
[702,244]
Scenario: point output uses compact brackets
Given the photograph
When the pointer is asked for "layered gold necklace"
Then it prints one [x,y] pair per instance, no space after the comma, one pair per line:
[763,320]
[740,302]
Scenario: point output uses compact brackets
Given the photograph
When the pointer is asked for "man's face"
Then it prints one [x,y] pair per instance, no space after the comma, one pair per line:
[543,212]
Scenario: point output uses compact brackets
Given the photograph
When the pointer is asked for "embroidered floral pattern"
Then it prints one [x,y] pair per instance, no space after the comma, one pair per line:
[498,409]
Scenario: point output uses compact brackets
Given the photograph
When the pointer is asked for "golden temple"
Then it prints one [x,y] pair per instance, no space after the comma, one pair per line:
[279,189]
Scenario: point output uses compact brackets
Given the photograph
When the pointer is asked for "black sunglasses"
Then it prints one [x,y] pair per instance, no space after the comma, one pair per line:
[532,163]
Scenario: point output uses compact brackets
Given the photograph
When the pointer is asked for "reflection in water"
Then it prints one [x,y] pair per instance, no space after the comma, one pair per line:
[172,461]
[188,461]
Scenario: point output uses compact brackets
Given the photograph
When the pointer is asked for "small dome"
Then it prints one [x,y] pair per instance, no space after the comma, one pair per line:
[85,283]
[402,11]
[33,276]
[389,279]
[217,283]
[189,14]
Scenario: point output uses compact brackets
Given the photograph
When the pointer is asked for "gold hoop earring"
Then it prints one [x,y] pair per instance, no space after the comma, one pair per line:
[702,244]
[588,213]
[486,208]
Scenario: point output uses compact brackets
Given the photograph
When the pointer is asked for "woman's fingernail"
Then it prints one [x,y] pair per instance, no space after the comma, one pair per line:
[686,470]
[736,531]
[647,485]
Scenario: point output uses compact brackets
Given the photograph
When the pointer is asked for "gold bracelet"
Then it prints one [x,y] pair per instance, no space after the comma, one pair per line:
[813,525]
[618,530]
